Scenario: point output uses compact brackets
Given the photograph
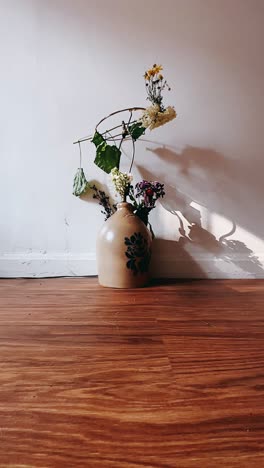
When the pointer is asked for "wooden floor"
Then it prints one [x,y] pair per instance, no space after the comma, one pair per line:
[168,376]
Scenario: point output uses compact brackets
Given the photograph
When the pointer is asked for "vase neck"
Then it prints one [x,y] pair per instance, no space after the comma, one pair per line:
[125,205]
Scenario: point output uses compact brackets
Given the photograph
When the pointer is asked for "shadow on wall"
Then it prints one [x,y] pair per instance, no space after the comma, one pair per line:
[232,188]
[207,178]
[89,196]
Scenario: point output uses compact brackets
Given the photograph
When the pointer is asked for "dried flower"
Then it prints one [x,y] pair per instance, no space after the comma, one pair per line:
[144,198]
[154,70]
[104,201]
[121,181]
[155,84]
[149,192]
[147,76]
[153,117]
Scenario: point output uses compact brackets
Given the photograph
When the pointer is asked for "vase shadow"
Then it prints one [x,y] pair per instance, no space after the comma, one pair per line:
[171,260]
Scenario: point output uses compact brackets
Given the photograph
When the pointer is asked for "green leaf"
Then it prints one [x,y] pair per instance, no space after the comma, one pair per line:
[136,130]
[98,139]
[80,184]
[107,157]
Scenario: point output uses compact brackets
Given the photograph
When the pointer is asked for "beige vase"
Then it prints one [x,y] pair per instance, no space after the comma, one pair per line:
[123,250]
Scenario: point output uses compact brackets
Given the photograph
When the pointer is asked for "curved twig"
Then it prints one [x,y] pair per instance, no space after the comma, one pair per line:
[130,109]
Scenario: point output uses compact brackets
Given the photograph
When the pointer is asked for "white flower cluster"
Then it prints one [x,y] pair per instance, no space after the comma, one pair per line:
[152,117]
[121,181]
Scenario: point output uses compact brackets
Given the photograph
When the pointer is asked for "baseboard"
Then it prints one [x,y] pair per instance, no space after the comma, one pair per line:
[39,265]
[31,265]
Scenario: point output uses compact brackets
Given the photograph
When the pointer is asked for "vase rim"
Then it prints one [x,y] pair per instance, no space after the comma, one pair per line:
[124,205]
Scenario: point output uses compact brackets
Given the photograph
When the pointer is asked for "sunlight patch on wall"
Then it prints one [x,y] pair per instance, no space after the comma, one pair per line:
[227,231]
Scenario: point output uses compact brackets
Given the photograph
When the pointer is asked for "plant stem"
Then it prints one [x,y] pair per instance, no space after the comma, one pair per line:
[133,155]
[80,149]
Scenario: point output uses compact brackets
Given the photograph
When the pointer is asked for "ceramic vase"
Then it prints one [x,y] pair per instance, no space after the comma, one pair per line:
[123,250]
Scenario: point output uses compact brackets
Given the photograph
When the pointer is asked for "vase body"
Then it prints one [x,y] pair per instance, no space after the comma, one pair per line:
[123,250]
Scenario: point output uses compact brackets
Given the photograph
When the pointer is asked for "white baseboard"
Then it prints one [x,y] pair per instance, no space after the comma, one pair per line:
[39,265]
[32,265]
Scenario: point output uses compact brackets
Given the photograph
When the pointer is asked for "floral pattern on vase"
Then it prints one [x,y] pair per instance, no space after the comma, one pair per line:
[138,253]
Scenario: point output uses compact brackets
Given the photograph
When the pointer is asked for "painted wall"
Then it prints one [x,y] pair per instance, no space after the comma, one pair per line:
[67,63]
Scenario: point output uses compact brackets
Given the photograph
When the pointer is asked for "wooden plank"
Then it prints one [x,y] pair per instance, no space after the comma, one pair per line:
[167,376]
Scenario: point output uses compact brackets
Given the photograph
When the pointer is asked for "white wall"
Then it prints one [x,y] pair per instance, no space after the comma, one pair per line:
[67,63]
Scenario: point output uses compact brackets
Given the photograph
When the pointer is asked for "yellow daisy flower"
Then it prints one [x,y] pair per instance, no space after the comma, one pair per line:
[146,76]
[157,68]
[151,72]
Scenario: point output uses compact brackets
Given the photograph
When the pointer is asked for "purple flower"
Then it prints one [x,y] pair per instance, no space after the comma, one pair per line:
[149,192]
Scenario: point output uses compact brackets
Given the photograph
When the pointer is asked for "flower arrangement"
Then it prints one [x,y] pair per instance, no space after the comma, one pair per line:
[156,115]
[144,195]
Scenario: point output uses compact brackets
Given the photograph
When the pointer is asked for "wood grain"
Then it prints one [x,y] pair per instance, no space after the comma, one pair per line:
[167,376]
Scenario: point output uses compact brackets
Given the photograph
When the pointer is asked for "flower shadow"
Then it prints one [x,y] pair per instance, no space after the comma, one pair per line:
[208,179]
[227,186]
